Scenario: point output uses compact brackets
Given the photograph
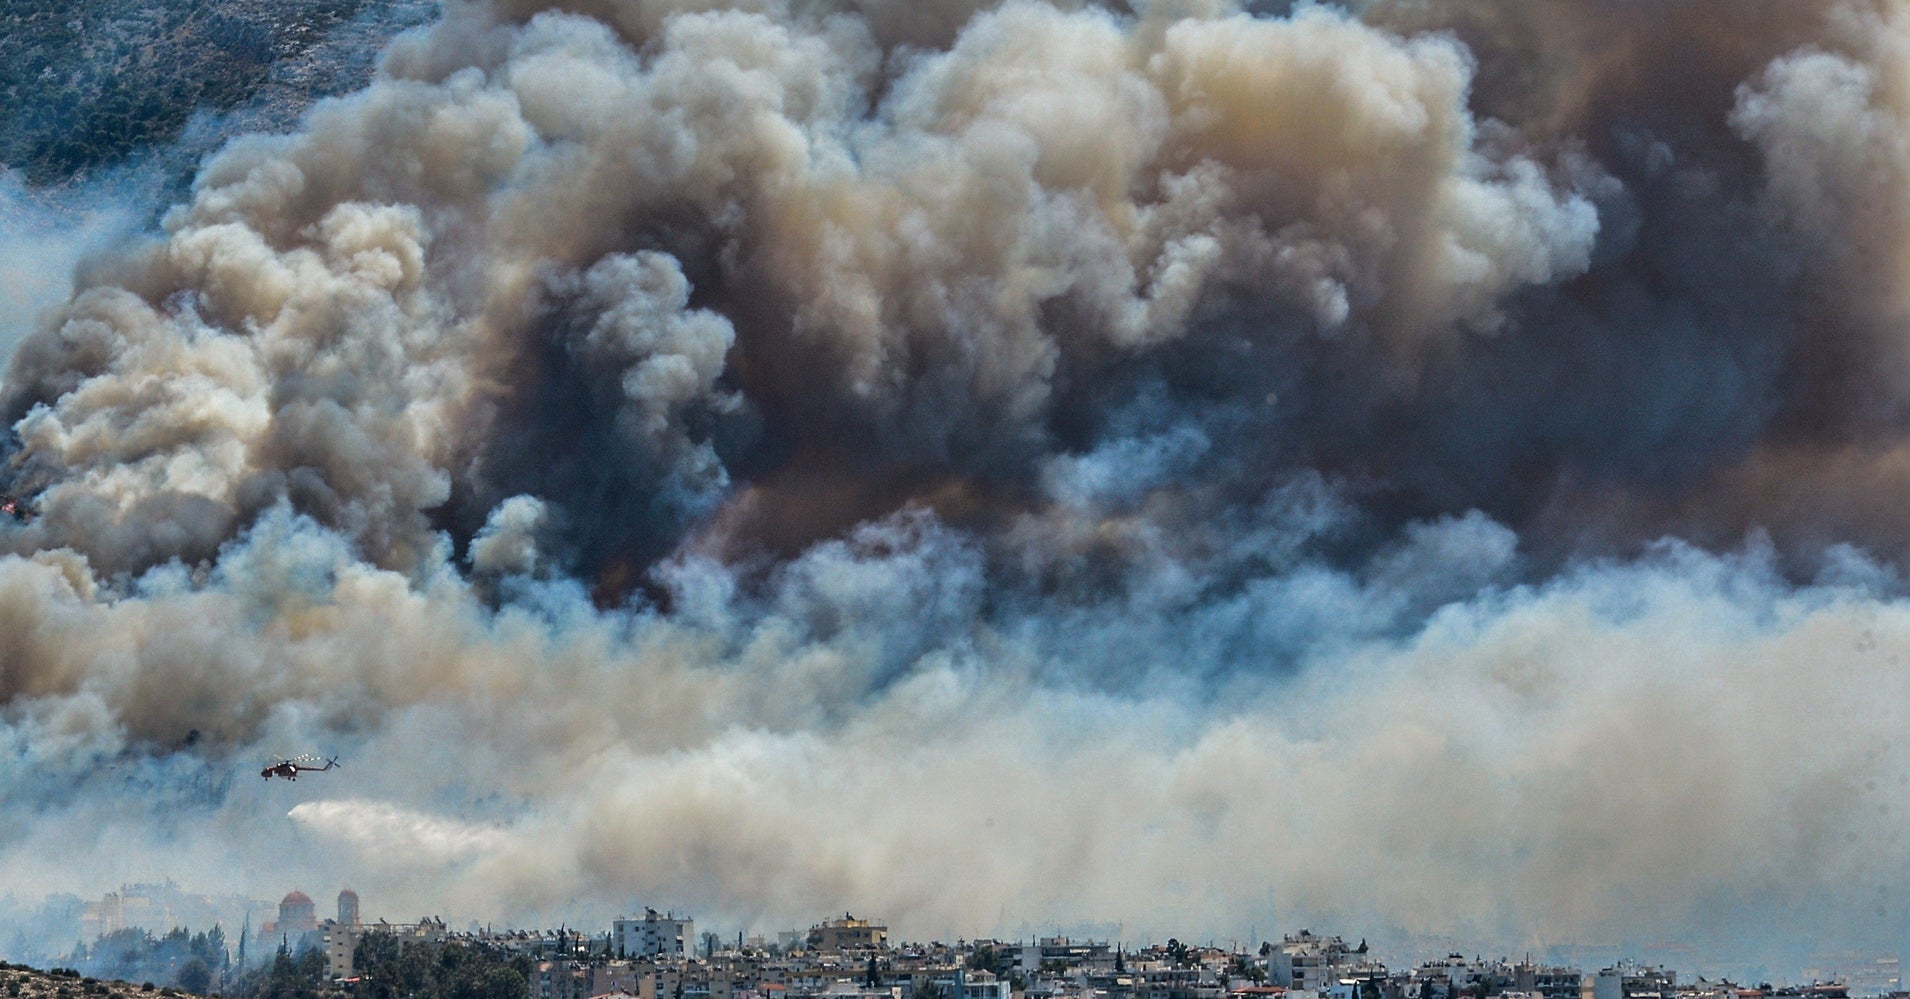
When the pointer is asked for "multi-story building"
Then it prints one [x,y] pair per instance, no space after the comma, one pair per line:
[1306,961]
[341,941]
[847,933]
[340,937]
[1063,952]
[1455,975]
[341,946]
[1632,981]
[1549,981]
[616,976]
[1163,982]
[982,985]
[654,935]
[161,907]
[559,979]
[955,983]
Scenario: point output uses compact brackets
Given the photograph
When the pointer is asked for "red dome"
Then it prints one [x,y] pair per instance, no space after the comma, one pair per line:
[296,898]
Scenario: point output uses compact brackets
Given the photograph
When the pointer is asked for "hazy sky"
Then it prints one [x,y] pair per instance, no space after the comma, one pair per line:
[1417,469]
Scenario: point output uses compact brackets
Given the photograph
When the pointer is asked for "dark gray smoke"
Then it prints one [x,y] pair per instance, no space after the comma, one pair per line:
[1428,466]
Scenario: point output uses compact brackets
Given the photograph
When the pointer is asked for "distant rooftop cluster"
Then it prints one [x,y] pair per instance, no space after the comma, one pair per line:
[660,955]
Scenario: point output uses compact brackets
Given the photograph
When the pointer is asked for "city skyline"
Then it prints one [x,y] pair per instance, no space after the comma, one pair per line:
[301,922]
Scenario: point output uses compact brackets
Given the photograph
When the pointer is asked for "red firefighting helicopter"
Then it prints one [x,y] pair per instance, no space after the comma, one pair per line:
[17,508]
[289,767]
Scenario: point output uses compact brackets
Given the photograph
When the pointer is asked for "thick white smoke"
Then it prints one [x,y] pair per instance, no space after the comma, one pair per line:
[1013,465]
[44,238]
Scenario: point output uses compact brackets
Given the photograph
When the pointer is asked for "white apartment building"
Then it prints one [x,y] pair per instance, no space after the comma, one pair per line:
[341,940]
[1632,981]
[654,935]
[1309,962]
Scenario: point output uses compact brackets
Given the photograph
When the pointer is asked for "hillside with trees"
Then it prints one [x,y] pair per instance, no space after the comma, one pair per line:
[18,981]
[89,83]
[191,961]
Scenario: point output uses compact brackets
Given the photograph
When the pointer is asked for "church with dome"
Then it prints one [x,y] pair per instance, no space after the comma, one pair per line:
[298,927]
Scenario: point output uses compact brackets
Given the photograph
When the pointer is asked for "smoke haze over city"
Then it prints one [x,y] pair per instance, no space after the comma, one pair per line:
[1432,468]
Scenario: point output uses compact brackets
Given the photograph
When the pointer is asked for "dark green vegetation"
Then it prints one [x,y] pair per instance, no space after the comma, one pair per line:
[286,977]
[389,970]
[86,83]
[439,971]
[180,957]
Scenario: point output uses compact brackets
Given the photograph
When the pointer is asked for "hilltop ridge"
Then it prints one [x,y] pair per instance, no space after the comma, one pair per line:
[18,981]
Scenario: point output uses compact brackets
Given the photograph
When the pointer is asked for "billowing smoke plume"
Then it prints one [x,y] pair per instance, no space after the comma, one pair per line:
[1429,466]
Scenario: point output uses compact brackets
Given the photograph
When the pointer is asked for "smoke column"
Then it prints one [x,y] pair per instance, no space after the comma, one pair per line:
[1428,467]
